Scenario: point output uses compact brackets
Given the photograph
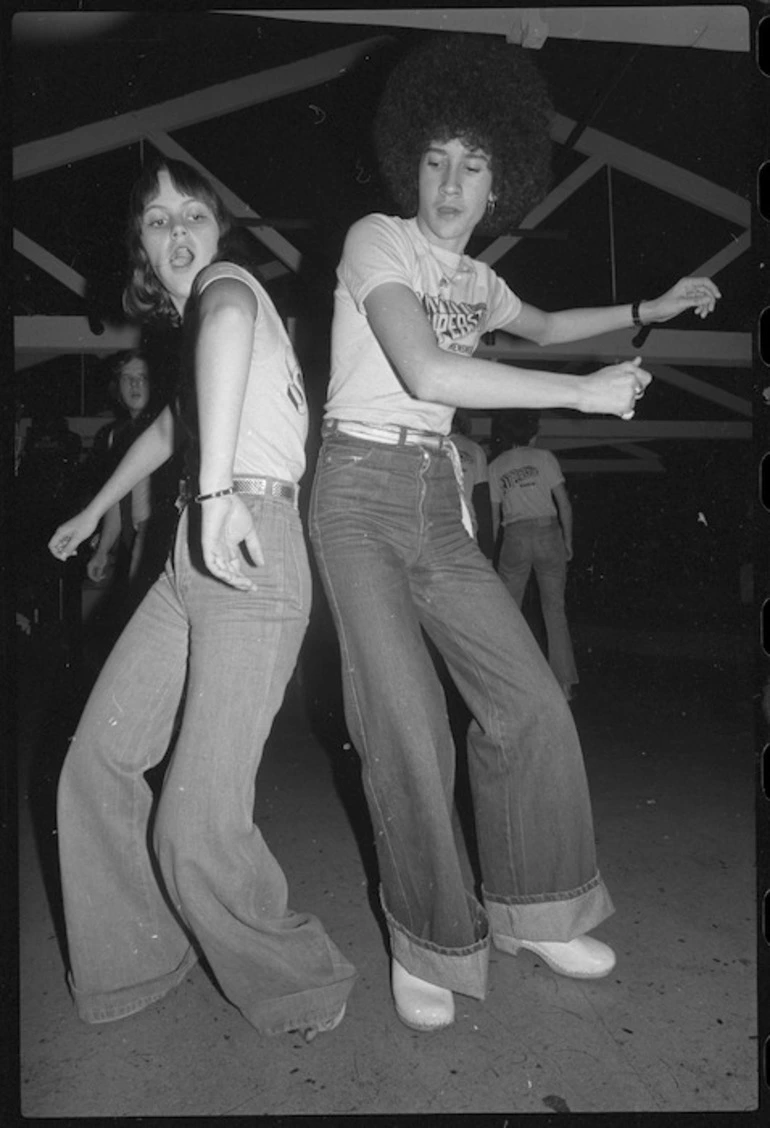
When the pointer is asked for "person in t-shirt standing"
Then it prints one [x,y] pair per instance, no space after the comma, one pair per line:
[528,494]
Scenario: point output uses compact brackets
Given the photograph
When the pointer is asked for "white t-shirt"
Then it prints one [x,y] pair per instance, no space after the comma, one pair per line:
[521,481]
[462,299]
[274,420]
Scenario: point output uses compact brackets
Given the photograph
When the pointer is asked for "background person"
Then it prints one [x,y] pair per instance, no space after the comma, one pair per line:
[529,497]
[135,534]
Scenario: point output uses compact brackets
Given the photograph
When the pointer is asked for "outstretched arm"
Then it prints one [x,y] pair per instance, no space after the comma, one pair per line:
[698,294]
[153,447]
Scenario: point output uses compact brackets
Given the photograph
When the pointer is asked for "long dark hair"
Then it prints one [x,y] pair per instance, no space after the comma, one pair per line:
[144,298]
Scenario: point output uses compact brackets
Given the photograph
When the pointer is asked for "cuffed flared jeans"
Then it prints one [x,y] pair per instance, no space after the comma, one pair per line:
[395,560]
[142,903]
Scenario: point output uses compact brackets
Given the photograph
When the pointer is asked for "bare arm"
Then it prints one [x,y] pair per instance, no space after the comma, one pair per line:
[698,294]
[228,313]
[431,373]
[564,508]
[150,450]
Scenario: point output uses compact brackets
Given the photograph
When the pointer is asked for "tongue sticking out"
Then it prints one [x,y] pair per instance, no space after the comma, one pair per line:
[182,256]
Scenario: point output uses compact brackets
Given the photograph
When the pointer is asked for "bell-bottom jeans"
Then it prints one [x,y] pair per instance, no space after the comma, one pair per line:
[142,902]
[395,560]
[538,544]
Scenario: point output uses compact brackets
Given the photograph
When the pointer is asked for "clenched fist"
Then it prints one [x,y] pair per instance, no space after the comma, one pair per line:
[614,390]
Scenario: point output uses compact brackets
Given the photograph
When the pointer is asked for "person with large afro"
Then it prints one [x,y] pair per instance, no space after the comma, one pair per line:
[462,135]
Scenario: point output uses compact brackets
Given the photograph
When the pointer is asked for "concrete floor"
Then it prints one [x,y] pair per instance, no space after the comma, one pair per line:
[667,729]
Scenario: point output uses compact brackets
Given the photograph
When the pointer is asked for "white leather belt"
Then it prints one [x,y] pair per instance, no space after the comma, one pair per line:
[393,435]
[388,433]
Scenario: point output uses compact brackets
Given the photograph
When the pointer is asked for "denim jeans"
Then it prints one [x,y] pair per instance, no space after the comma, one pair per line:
[143,902]
[539,544]
[395,560]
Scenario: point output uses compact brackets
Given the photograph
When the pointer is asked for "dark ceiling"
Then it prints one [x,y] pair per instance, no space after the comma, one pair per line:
[308,157]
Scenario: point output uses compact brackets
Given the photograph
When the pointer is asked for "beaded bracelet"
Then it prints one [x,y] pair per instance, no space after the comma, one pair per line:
[216,493]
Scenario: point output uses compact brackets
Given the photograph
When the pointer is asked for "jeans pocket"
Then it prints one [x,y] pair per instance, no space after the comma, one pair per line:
[285,574]
[343,458]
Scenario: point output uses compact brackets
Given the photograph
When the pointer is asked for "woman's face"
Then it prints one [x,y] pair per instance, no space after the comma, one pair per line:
[134,386]
[180,236]
[455,184]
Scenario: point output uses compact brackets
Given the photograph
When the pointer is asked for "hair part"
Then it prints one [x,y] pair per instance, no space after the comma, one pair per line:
[144,297]
[487,93]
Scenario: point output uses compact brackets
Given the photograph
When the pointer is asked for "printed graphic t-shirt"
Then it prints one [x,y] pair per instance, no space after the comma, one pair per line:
[462,300]
[521,481]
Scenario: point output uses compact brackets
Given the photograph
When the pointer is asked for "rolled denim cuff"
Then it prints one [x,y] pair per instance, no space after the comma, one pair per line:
[550,916]
[456,969]
[108,1006]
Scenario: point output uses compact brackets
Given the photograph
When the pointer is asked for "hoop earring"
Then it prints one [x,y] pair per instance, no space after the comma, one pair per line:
[491,205]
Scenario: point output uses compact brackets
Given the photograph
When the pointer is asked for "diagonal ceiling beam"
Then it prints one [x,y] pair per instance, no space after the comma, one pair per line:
[635,450]
[656,171]
[723,258]
[553,200]
[49,263]
[723,27]
[632,451]
[702,389]
[201,105]
[286,252]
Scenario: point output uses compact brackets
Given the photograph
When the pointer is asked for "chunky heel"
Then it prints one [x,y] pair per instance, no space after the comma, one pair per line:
[420,1005]
[581,958]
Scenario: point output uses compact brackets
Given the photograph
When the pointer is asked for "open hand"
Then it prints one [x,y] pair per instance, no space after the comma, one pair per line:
[697,294]
[226,525]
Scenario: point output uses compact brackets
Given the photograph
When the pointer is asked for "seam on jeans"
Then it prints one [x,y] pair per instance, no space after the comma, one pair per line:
[342,636]
[494,729]
[300,584]
[361,727]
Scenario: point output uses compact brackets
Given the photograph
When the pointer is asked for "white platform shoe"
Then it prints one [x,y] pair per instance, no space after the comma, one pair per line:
[581,958]
[420,1005]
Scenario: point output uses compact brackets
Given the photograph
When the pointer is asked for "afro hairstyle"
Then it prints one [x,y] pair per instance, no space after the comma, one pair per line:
[486,92]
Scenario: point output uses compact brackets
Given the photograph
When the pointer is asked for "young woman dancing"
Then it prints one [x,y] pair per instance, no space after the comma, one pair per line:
[145,898]
[462,136]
